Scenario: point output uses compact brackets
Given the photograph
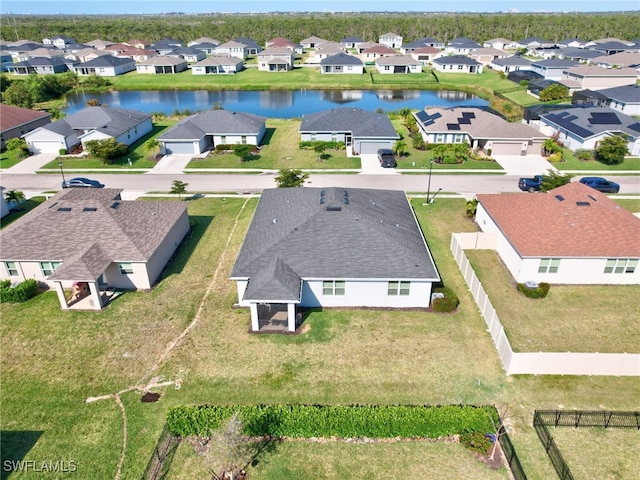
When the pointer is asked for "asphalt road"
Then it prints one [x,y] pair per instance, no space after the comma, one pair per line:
[466,185]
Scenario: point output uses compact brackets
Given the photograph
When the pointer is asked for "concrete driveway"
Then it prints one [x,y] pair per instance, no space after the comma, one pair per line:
[524,166]
[371,165]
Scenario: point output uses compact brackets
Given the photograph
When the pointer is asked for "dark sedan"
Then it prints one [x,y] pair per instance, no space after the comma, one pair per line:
[82,183]
[601,184]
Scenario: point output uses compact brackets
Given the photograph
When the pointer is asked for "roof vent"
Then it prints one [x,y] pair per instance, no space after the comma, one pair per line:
[583,204]
[334,208]
[89,209]
[115,205]
[592,198]
[560,197]
[53,205]
[64,209]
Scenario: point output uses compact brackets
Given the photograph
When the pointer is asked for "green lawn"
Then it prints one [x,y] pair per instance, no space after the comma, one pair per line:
[9,158]
[24,208]
[280,150]
[137,154]
[570,162]
[51,361]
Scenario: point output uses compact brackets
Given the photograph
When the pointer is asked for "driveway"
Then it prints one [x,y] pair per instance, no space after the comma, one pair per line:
[32,164]
[371,165]
[524,166]
[173,164]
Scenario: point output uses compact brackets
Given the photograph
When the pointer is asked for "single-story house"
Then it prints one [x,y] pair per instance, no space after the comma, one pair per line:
[544,53]
[207,48]
[203,131]
[486,55]
[613,47]
[99,44]
[364,46]
[166,45]
[426,55]
[461,46]
[501,44]
[41,66]
[457,64]
[483,131]
[623,59]
[351,42]
[218,64]
[571,43]
[625,99]
[162,64]
[333,247]
[581,236]
[398,64]
[203,40]
[285,43]
[531,43]
[312,42]
[596,78]
[391,40]
[371,54]
[16,121]
[106,66]
[578,54]
[341,63]
[91,123]
[4,206]
[137,54]
[90,240]
[87,54]
[362,131]
[553,68]
[511,64]
[276,59]
[584,128]
[190,54]
[236,49]
[137,43]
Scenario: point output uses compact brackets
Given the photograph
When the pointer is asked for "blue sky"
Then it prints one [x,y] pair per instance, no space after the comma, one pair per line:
[207,6]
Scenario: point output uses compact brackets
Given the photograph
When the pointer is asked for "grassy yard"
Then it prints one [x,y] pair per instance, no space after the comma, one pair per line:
[52,361]
[570,162]
[24,208]
[9,158]
[280,150]
[137,154]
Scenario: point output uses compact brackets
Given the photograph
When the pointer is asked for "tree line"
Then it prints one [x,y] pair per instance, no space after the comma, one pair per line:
[330,26]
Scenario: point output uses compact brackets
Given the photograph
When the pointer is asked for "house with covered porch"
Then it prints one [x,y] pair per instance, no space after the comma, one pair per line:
[86,243]
[331,248]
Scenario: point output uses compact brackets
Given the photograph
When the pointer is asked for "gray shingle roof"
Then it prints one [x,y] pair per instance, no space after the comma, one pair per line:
[512,61]
[106,61]
[361,123]
[218,122]
[341,59]
[112,121]
[83,240]
[626,93]
[373,235]
[277,281]
[456,60]
[556,63]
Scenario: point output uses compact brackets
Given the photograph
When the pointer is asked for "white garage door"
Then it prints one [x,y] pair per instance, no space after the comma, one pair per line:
[45,147]
[179,148]
[372,147]
[506,148]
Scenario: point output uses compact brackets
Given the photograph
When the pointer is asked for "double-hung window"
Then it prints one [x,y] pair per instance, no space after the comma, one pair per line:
[48,267]
[333,287]
[125,268]
[12,268]
[549,265]
[621,265]
[401,288]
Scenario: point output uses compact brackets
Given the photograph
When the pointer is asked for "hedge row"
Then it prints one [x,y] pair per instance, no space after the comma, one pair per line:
[305,421]
[20,293]
[329,145]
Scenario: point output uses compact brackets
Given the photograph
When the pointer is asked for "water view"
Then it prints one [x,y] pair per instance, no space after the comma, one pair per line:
[274,103]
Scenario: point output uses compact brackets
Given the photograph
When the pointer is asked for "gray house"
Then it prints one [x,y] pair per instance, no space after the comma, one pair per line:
[553,68]
[41,66]
[341,63]
[106,66]
[91,123]
[203,131]
[218,64]
[362,131]
[333,247]
[457,64]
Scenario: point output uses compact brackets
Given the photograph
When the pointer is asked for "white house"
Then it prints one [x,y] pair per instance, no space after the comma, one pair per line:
[625,99]
[398,64]
[106,66]
[569,235]
[331,247]
[584,128]
[91,238]
[218,64]
[234,48]
[162,64]
[457,64]
[391,40]
[276,59]
[341,63]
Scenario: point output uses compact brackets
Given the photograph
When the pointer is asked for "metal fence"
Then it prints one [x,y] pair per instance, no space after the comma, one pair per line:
[162,456]
[575,419]
[511,455]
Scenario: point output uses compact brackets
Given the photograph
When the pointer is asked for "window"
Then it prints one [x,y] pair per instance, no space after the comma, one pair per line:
[12,269]
[125,268]
[223,139]
[621,265]
[440,138]
[244,139]
[49,267]
[460,67]
[457,138]
[333,287]
[549,265]
[396,288]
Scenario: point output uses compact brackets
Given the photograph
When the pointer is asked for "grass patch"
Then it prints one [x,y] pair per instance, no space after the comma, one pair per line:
[570,162]
[280,150]
[551,324]
[137,154]
[9,158]
[24,208]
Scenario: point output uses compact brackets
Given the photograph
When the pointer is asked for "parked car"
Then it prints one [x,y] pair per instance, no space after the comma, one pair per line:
[601,184]
[82,183]
[386,157]
[533,184]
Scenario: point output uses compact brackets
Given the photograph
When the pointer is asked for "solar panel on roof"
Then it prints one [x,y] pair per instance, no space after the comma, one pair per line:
[464,121]
[468,115]
[453,126]
[635,126]
[572,127]
[570,118]
[423,116]
[604,118]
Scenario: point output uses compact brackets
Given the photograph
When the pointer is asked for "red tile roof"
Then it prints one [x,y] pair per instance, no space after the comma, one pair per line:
[541,225]
[11,117]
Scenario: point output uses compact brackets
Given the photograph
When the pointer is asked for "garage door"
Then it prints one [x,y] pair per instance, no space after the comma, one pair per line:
[179,148]
[507,148]
[46,147]
[372,147]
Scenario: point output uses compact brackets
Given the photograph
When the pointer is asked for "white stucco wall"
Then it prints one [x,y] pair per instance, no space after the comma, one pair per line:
[161,256]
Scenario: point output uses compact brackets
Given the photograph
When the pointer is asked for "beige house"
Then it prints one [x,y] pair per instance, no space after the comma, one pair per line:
[597,78]
[86,243]
[218,64]
[391,40]
[276,59]
[487,55]
[162,64]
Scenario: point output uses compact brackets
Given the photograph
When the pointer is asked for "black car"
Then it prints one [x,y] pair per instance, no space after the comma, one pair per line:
[82,183]
[386,157]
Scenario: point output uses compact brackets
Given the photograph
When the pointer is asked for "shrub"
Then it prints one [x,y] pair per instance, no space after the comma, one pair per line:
[62,151]
[476,442]
[539,292]
[555,157]
[20,293]
[446,304]
[584,155]
[305,421]
[312,145]
[418,142]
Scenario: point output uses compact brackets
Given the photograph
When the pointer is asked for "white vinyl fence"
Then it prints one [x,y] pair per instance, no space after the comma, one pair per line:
[536,363]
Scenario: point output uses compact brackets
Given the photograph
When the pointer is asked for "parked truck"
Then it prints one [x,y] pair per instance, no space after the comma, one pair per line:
[533,184]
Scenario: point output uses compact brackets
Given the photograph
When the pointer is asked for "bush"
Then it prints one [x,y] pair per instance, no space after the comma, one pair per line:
[584,155]
[62,151]
[305,421]
[21,293]
[311,145]
[418,142]
[476,442]
[539,292]
[448,303]
[555,157]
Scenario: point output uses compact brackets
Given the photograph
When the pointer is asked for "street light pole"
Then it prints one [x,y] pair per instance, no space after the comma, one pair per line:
[429,183]
[62,173]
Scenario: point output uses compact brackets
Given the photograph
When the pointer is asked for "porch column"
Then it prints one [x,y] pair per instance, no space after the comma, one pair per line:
[255,326]
[61,297]
[96,300]
[291,317]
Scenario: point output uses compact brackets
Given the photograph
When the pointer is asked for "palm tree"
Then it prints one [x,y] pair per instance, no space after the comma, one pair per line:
[15,197]
[152,146]
[400,148]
